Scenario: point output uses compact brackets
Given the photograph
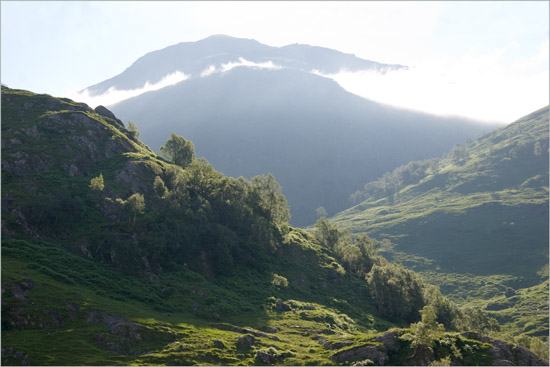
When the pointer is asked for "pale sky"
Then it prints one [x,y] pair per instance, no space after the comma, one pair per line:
[484,60]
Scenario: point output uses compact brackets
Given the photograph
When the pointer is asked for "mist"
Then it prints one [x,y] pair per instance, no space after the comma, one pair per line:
[113,95]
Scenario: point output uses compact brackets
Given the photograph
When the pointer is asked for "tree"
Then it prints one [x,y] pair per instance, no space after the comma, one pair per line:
[321,212]
[97,183]
[178,150]
[326,233]
[425,332]
[271,198]
[136,205]
[538,149]
[133,130]
[398,292]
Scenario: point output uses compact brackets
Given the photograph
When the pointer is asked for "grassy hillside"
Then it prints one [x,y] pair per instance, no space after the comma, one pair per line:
[474,223]
[482,209]
[112,255]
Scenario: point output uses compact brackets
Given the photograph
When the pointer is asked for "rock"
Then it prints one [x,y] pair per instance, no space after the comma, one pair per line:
[334,345]
[389,340]
[20,287]
[103,111]
[509,293]
[376,353]
[245,342]
[218,344]
[503,362]
[271,329]
[196,307]
[281,306]
[265,357]
[504,352]
[123,334]
[83,245]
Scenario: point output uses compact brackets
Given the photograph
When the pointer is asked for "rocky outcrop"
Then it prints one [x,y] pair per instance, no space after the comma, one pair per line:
[376,353]
[103,111]
[245,342]
[123,333]
[507,354]
[386,348]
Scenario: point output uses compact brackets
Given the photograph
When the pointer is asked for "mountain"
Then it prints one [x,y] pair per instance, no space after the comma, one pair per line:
[481,210]
[112,255]
[320,141]
[219,51]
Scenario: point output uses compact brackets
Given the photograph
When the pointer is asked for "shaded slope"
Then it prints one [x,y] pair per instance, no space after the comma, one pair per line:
[321,142]
[483,209]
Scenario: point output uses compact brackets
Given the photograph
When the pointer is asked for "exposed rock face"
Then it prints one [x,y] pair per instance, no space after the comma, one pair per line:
[265,357]
[103,111]
[376,353]
[245,342]
[506,353]
[61,139]
[501,353]
[123,334]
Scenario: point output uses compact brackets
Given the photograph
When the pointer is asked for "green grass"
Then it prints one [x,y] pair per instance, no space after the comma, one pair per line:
[484,215]
[172,331]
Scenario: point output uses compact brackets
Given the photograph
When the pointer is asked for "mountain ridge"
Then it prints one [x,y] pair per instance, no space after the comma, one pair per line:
[193,58]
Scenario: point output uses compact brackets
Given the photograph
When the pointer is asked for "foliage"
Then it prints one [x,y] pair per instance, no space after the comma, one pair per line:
[397,291]
[178,150]
[184,255]
[279,281]
[326,233]
[97,183]
[451,216]
[427,331]
[272,201]
[133,130]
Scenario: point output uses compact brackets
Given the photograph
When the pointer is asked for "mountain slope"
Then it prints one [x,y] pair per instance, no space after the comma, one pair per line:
[197,271]
[483,209]
[321,142]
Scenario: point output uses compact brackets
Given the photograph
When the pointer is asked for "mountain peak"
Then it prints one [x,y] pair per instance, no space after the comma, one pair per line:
[194,58]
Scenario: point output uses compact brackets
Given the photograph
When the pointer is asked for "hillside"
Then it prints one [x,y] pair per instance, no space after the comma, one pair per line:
[474,222]
[111,255]
[320,141]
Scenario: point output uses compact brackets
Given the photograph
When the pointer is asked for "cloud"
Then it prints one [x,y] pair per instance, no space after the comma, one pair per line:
[250,64]
[242,62]
[484,86]
[113,95]
[208,71]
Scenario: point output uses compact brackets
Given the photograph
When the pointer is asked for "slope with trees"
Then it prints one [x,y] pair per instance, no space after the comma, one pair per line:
[474,222]
[112,255]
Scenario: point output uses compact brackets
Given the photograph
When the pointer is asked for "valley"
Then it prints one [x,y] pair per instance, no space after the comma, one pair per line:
[114,255]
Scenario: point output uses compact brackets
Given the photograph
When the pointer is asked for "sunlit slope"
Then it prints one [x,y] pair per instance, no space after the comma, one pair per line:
[482,209]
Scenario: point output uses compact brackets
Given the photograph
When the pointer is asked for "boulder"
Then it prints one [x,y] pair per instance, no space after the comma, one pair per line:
[103,111]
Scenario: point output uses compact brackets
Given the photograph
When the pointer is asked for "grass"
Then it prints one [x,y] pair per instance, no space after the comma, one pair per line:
[172,332]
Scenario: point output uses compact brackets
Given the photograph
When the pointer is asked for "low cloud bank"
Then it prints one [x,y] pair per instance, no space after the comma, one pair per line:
[242,62]
[485,87]
[113,95]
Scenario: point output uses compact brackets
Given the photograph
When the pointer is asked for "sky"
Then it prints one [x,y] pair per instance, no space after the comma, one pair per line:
[484,60]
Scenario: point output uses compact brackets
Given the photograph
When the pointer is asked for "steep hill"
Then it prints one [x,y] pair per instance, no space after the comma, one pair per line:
[113,256]
[481,210]
[320,141]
